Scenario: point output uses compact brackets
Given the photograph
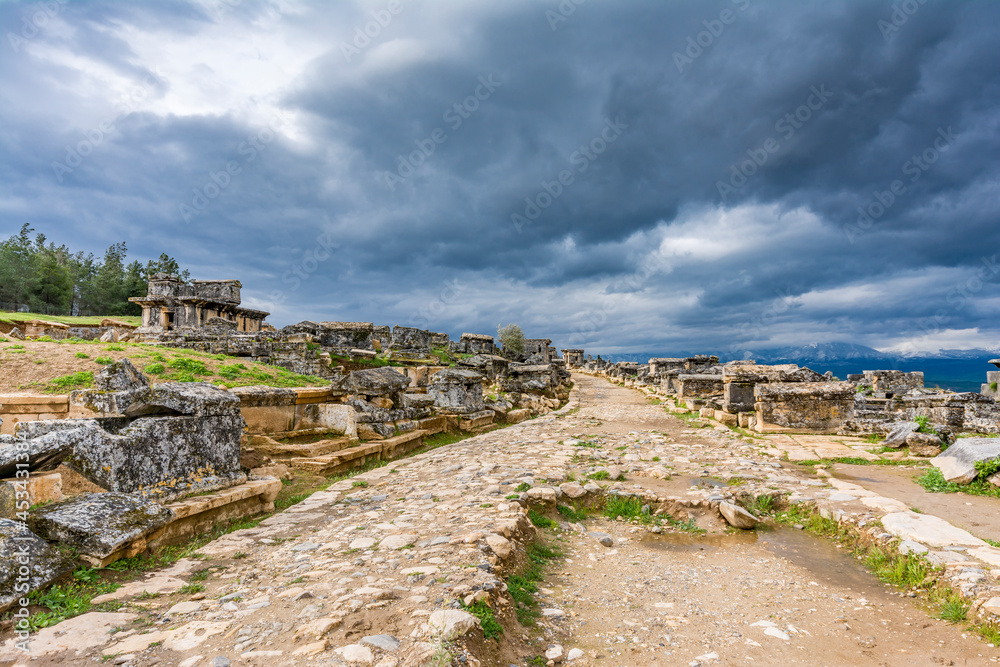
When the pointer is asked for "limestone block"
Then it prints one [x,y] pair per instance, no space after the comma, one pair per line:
[18,547]
[99,524]
[958,462]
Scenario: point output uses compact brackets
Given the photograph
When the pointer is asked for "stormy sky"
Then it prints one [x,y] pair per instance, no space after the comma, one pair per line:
[619,176]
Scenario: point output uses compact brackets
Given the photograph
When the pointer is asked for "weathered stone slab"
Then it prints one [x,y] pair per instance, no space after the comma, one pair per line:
[168,398]
[457,390]
[897,436]
[958,462]
[99,524]
[120,376]
[19,547]
[928,530]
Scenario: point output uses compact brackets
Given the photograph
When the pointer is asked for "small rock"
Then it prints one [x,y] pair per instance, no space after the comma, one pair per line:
[574,654]
[386,643]
[554,653]
[603,538]
[500,545]
[737,517]
[221,661]
[188,607]
[924,444]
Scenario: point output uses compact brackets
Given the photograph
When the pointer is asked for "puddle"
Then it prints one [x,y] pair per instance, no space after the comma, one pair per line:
[708,482]
[824,562]
[692,543]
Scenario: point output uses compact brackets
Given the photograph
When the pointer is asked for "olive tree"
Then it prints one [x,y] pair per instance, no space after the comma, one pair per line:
[511,340]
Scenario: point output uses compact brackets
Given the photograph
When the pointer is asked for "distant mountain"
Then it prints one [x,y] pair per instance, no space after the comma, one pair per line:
[819,352]
[958,370]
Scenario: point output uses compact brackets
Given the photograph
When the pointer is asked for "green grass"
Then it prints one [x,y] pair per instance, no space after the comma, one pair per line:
[952,607]
[988,632]
[487,620]
[104,361]
[934,482]
[903,570]
[82,355]
[191,589]
[154,369]
[625,507]
[59,385]
[599,475]
[924,425]
[522,587]
[522,487]
[541,520]
[71,599]
[90,320]
[762,504]
[858,461]
[572,514]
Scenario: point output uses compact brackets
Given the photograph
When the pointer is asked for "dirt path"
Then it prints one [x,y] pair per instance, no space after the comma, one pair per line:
[980,515]
[375,570]
[680,600]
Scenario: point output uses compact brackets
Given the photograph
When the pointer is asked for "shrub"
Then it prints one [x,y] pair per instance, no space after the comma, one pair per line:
[511,339]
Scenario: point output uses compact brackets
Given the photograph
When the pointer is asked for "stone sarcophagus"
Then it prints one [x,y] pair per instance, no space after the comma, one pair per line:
[804,406]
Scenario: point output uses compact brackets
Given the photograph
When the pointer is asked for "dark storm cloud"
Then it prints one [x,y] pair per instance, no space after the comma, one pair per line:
[696,168]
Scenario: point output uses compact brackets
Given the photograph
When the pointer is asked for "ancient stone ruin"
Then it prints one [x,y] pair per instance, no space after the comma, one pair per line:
[174,304]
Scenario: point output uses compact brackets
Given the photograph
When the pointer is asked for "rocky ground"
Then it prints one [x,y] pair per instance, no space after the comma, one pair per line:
[379,568]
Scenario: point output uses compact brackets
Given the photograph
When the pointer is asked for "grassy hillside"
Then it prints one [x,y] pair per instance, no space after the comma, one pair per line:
[7,316]
[55,367]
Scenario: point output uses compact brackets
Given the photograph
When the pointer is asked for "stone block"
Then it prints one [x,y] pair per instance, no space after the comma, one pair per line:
[808,406]
[958,462]
[457,391]
[699,386]
[20,547]
[738,397]
[38,488]
[476,420]
[101,526]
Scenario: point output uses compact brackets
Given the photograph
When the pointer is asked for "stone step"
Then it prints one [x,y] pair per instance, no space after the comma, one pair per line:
[359,455]
[278,450]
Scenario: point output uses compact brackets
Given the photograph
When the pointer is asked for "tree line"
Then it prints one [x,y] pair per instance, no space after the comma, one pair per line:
[50,279]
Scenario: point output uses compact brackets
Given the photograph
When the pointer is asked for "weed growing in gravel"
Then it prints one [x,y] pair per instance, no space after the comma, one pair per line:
[541,520]
[522,487]
[71,599]
[487,620]
[951,606]
[903,570]
[522,587]
[572,514]
[190,589]
[625,507]
[600,474]
[987,631]
[762,504]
